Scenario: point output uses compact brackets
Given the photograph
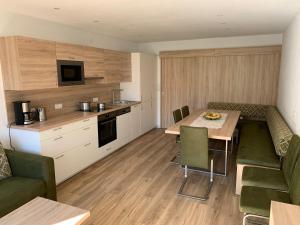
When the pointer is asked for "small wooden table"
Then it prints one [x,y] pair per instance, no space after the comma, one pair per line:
[47,212]
[225,133]
[284,214]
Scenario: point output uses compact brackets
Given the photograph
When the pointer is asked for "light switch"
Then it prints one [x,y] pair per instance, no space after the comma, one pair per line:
[95,99]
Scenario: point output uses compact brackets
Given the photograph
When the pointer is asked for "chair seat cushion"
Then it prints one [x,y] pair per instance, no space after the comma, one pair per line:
[257,200]
[256,146]
[16,191]
[262,177]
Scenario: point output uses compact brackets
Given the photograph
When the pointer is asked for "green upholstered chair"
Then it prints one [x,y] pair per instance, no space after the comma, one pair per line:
[177,116]
[256,201]
[195,154]
[32,176]
[274,179]
[185,111]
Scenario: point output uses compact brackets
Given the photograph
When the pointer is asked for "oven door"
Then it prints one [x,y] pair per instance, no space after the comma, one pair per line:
[107,131]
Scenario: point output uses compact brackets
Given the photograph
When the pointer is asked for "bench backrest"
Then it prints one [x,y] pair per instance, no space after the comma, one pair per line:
[248,111]
[280,131]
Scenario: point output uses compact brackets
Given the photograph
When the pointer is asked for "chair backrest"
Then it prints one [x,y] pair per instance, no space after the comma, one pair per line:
[177,115]
[294,188]
[194,146]
[291,157]
[185,111]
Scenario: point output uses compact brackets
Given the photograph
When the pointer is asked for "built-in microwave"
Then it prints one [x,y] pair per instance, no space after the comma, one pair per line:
[70,72]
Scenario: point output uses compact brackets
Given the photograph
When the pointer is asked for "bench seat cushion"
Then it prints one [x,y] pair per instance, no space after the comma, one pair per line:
[16,191]
[257,200]
[262,177]
[256,146]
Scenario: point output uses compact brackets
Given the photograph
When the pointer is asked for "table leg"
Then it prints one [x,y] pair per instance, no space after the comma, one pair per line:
[226,151]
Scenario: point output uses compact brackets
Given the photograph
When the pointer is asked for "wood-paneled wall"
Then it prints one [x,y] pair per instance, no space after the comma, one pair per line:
[239,75]
[69,96]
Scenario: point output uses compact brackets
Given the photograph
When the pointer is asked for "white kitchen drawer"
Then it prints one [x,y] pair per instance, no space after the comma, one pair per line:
[69,163]
[57,131]
[66,142]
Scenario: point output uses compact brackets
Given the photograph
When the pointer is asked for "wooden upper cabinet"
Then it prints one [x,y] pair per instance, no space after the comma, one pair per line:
[28,63]
[69,52]
[117,66]
[93,63]
[126,67]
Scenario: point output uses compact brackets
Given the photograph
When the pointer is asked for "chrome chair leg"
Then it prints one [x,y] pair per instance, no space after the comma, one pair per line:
[246,216]
[201,198]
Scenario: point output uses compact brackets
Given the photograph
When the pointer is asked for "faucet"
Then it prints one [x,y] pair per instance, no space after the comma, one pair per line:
[113,94]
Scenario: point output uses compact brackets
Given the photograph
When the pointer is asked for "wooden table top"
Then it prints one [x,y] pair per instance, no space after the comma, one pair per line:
[224,133]
[284,214]
[47,212]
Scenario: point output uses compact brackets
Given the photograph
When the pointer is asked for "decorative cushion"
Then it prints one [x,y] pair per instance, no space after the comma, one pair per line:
[280,132]
[248,111]
[5,170]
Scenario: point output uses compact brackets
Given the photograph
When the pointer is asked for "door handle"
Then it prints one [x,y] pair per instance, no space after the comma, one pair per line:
[58,157]
[55,139]
[87,144]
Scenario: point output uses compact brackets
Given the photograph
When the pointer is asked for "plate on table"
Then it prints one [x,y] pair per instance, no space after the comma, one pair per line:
[212,116]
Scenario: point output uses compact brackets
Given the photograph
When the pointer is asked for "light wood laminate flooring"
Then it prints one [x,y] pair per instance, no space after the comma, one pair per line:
[138,185]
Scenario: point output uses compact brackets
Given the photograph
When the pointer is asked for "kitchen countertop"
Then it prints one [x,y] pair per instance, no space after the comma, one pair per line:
[69,118]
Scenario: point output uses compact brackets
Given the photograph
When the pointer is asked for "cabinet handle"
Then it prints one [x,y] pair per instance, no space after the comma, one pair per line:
[87,144]
[86,120]
[58,157]
[55,139]
[56,129]
[87,128]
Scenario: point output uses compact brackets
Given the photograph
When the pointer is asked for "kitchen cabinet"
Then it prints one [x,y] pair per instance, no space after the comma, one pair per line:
[28,63]
[74,146]
[143,88]
[66,51]
[94,63]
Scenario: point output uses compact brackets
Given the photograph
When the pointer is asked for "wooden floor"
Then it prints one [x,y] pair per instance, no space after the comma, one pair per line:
[138,185]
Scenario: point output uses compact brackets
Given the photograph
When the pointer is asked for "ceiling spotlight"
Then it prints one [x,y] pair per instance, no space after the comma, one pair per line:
[56,8]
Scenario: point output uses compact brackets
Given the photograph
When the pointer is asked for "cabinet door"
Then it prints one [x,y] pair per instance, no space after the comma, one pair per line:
[147,116]
[28,63]
[125,67]
[112,66]
[69,52]
[136,120]
[93,63]
[123,126]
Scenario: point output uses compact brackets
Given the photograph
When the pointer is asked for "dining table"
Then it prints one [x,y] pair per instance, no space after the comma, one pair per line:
[221,129]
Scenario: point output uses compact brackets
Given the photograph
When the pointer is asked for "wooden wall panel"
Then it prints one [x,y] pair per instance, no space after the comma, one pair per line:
[243,75]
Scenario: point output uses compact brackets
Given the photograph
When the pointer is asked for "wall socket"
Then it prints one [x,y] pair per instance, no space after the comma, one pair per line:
[58,106]
[95,99]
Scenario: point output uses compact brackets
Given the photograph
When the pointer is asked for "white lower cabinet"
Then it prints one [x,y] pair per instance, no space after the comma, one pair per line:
[75,146]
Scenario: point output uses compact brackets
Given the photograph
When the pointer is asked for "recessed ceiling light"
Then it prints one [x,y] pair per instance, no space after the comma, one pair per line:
[56,8]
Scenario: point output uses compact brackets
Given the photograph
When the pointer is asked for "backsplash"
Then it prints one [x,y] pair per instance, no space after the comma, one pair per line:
[69,96]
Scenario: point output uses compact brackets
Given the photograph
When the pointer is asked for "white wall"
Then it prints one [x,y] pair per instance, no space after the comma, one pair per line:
[227,42]
[14,24]
[289,82]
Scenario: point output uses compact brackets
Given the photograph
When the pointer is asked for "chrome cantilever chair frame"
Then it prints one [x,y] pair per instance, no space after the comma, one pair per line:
[246,216]
[202,198]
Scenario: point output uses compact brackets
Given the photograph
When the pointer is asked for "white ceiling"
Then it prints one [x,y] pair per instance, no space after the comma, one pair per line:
[163,20]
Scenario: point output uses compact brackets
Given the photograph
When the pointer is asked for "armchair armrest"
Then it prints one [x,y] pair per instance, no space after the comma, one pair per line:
[33,166]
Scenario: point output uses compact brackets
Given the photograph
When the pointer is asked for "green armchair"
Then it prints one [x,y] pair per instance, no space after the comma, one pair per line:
[32,176]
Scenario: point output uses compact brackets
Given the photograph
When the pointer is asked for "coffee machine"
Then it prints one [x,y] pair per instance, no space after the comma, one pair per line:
[22,113]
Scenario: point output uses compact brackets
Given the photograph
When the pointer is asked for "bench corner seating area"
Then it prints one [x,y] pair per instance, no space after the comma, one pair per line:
[267,159]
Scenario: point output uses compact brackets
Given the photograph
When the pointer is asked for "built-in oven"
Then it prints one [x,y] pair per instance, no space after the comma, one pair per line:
[107,126]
